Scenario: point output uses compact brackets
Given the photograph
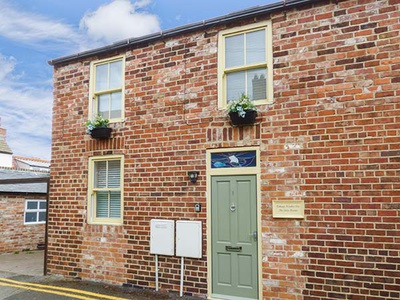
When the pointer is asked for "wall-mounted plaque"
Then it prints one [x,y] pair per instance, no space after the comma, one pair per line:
[288,209]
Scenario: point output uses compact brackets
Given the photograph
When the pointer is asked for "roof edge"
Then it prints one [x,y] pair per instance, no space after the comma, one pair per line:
[24,170]
[6,151]
[246,13]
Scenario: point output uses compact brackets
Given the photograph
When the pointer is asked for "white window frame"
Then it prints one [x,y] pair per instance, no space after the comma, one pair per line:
[37,211]
[222,71]
[93,94]
[92,219]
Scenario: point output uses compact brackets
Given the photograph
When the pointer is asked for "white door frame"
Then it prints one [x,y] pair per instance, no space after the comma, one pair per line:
[233,171]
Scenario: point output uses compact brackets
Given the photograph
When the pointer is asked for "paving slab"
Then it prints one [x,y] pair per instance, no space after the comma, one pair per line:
[25,262]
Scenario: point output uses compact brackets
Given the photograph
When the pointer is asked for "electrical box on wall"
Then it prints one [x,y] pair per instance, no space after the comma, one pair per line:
[188,239]
[162,237]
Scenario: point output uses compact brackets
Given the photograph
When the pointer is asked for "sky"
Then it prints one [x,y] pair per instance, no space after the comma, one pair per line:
[32,32]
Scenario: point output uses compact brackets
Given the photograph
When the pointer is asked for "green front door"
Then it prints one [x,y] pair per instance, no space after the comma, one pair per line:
[234,237]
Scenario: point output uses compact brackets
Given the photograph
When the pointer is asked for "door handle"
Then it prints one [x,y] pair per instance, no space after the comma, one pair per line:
[255,236]
[233,207]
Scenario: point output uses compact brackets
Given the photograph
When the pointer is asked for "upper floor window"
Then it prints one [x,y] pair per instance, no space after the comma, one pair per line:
[105,189]
[35,212]
[245,64]
[107,89]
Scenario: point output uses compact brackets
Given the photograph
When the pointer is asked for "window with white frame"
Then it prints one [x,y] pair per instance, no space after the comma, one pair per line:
[245,64]
[35,211]
[106,189]
[107,89]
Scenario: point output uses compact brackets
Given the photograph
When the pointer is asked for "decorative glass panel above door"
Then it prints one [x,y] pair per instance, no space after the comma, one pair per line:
[237,159]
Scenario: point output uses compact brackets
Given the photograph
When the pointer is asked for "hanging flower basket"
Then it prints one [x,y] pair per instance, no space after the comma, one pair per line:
[101,133]
[98,127]
[242,111]
[248,119]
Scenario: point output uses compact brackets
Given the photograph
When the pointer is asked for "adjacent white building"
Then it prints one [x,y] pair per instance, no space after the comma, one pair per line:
[6,154]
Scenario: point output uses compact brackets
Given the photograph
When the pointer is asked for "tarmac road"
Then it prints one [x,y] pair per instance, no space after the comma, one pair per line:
[21,279]
[22,287]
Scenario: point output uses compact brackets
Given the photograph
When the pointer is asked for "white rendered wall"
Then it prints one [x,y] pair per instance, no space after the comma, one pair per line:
[5,160]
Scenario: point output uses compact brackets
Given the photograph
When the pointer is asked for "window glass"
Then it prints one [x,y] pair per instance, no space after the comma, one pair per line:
[42,216]
[104,105]
[114,173]
[110,105]
[30,217]
[234,51]
[102,204]
[115,74]
[237,159]
[32,205]
[235,83]
[42,205]
[100,173]
[102,77]
[115,111]
[257,84]
[115,204]
[255,47]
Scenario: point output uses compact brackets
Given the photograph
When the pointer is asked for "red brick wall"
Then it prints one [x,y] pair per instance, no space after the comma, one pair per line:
[335,128]
[330,138]
[15,235]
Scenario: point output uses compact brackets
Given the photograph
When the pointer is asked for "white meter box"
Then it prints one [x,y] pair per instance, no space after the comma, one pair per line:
[188,239]
[162,237]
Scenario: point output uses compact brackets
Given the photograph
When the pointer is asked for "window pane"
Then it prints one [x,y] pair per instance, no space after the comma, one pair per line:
[42,216]
[32,205]
[115,105]
[114,175]
[100,174]
[235,85]
[101,77]
[234,51]
[30,217]
[255,47]
[257,84]
[115,204]
[239,159]
[102,204]
[42,205]
[115,75]
[104,107]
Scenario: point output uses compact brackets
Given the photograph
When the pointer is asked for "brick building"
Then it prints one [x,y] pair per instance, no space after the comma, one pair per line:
[22,210]
[22,205]
[325,76]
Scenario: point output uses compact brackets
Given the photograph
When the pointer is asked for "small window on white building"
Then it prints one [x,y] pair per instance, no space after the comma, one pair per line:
[35,211]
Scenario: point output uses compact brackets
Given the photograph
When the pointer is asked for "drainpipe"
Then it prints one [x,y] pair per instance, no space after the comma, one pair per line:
[47,227]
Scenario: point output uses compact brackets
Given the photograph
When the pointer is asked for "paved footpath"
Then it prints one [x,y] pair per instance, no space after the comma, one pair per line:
[21,279]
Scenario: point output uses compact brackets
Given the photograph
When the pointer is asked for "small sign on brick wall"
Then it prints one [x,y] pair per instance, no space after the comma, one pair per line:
[288,209]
